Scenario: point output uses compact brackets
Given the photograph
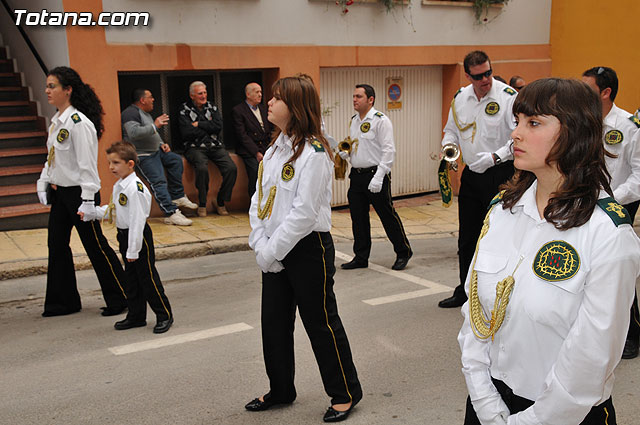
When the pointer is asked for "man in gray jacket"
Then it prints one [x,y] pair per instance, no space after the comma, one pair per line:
[155,157]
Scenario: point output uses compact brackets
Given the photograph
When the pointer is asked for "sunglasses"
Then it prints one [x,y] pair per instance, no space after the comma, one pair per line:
[519,88]
[479,77]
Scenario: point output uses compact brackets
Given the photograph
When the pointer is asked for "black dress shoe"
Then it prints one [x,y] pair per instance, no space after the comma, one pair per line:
[333,415]
[58,313]
[128,324]
[354,264]
[113,311]
[630,349]
[163,326]
[452,302]
[256,405]
[401,263]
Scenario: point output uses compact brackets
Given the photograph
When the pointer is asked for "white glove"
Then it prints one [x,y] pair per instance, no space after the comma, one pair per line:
[375,185]
[491,410]
[268,263]
[88,208]
[276,267]
[344,155]
[483,164]
[42,197]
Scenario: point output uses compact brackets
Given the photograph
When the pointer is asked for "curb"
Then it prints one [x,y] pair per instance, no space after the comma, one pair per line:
[185,250]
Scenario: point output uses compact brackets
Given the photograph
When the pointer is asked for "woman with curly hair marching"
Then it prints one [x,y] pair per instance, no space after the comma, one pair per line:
[70,183]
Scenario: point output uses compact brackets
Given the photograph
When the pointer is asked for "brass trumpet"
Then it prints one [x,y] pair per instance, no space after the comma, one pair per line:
[450,153]
[340,168]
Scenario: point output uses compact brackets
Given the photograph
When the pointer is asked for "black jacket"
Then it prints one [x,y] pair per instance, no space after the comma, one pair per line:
[251,137]
[207,134]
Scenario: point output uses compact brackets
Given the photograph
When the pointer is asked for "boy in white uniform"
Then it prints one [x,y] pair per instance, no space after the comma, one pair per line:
[132,202]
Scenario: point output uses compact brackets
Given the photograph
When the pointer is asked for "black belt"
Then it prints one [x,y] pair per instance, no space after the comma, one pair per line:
[365,170]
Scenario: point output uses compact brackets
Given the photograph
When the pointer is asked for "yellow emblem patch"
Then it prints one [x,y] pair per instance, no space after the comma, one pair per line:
[492,108]
[616,208]
[613,137]
[555,261]
[365,126]
[122,199]
[288,172]
[140,187]
[63,135]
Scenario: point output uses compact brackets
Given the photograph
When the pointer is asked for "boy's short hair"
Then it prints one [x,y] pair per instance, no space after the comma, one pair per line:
[125,150]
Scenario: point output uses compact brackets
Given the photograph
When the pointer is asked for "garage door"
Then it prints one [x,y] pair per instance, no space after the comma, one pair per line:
[416,127]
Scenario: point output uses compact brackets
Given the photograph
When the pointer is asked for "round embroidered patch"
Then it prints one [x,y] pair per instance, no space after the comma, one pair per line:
[288,172]
[555,261]
[613,137]
[122,199]
[62,135]
[365,126]
[492,108]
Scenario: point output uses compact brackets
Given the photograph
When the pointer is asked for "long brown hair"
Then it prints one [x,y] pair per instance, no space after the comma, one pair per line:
[578,153]
[305,124]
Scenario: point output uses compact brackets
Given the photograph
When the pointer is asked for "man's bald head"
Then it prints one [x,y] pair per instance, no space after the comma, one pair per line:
[253,93]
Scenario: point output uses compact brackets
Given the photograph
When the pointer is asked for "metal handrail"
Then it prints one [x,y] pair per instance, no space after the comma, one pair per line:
[33,49]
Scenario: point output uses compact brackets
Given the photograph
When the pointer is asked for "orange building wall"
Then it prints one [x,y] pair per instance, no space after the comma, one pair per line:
[98,63]
[587,33]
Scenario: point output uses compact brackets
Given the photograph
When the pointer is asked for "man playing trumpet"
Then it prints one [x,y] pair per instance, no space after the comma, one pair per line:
[370,180]
[480,123]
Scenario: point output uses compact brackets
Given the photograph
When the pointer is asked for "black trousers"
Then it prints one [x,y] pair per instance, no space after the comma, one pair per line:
[251,164]
[598,415]
[62,291]
[476,192]
[143,281]
[306,282]
[359,200]
[199,159]
[634,323]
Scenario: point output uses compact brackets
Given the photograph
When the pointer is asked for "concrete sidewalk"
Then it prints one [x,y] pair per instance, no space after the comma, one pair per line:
[24,252]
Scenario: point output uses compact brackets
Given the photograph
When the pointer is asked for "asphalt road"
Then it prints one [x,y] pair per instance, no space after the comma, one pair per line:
[78,370]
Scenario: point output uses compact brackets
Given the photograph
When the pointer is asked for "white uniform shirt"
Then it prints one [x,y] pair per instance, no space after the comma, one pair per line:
[375,141]
[494,124]
[621,137]
[132,202]
[302,204]
[73,146]
[560,340]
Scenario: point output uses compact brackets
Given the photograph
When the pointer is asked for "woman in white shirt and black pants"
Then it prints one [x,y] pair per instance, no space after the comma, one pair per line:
[554,272]
[291,218]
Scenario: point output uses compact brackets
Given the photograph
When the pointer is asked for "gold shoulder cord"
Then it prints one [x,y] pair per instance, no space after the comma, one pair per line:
[110,212]
[268,206]
[480,325]
[460,126]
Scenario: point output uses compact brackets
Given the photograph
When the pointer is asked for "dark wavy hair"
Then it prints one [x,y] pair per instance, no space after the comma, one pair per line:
[301,97]
[83,97]
[578,153]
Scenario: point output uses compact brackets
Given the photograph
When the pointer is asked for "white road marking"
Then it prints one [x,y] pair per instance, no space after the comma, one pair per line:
[432,287]
[179,339]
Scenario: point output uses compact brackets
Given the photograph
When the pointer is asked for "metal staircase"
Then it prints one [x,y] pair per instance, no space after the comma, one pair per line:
[22,153]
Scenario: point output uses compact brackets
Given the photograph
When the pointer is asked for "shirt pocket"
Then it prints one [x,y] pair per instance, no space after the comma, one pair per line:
[554,303]
[490,268]
[62,139]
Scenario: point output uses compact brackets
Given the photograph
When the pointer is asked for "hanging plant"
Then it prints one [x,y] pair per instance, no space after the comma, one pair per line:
[481,9]
[388,4]
[343,4]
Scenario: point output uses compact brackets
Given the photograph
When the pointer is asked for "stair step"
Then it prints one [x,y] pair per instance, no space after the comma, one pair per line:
[22,210]
[22,134]
[14,124]
[19,189]
[3,52]
[21,170]
[16,107]
[14,93]
[10,79]
[6,65]
[19,118]
[36,150]
[35,155]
